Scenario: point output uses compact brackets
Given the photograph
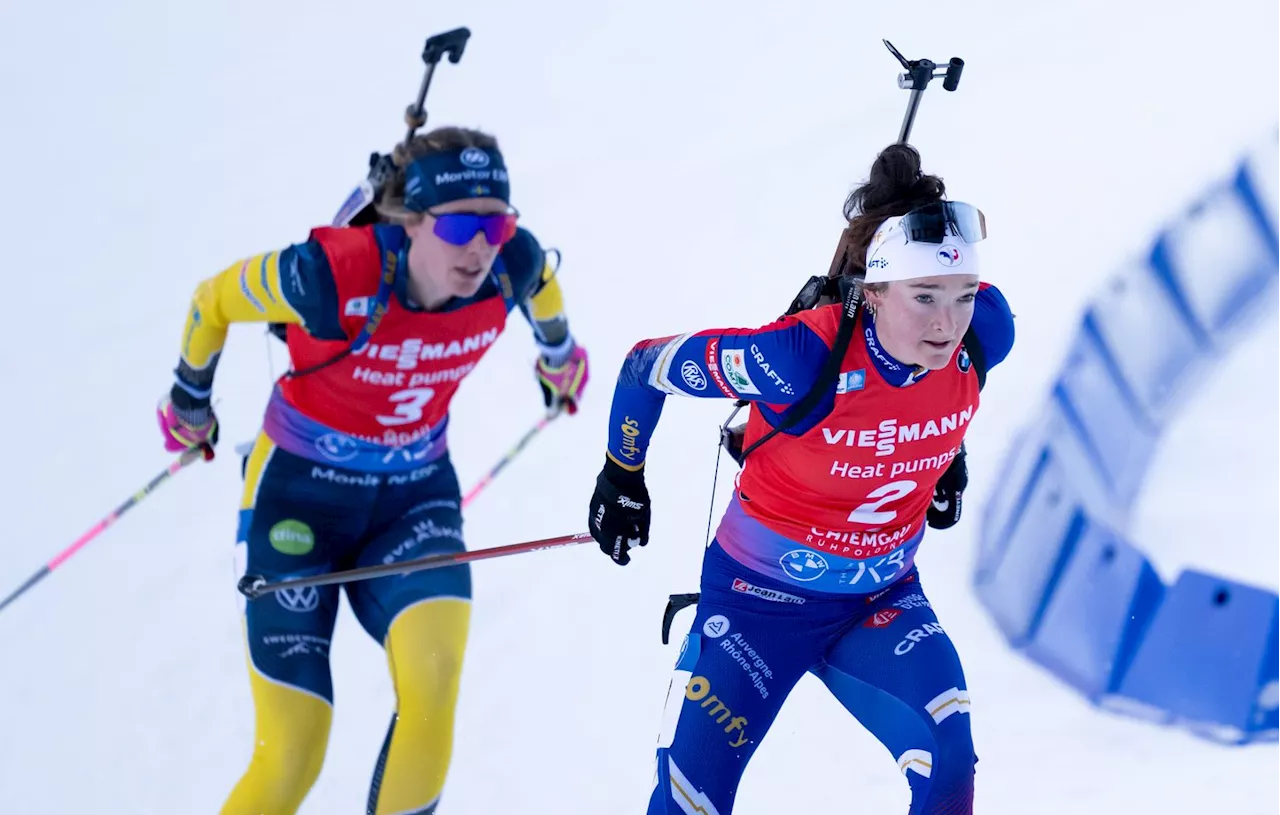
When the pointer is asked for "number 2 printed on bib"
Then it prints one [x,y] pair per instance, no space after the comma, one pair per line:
[871,513]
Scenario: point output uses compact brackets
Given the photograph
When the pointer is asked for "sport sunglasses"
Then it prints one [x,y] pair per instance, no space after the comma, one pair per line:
[928,224]
[458,228]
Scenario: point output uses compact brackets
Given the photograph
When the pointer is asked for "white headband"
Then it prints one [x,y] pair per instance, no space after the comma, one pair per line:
[890,256]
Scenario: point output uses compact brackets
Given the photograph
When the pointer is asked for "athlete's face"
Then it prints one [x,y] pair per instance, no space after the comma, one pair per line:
[438,269]
[921,321]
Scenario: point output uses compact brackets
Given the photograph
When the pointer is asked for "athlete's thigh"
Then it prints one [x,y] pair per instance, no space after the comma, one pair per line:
[428,526]
[740,660]
[293,526]
[898,672]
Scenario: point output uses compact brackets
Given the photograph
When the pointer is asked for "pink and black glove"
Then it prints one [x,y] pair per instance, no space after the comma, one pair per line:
[563,377]
[186,421]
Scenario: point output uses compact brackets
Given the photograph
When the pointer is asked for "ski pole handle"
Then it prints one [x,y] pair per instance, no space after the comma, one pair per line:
[675,604]
[204,452]
[255,586]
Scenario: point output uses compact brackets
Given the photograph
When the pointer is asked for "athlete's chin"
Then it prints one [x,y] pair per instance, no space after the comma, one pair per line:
[465,282]
[934,355]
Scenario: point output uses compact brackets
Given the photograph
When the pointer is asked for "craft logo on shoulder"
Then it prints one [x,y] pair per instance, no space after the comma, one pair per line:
[337,447]
[949,256]
[774,376]
[474,158]
[692,375]
[734,364]
[295,277]
[773,595]
[716,626]
[803,565]
[851,381]
[292,537]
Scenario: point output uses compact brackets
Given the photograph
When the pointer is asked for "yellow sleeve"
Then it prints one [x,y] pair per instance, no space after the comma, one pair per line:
[547,303]
[248,291]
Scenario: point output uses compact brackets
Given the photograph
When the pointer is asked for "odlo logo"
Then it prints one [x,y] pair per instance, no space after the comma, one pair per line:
[292,538]
[699,690]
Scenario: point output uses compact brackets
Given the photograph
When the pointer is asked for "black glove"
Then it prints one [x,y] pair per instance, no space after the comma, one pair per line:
[619,517]
[944,512]
[731,439]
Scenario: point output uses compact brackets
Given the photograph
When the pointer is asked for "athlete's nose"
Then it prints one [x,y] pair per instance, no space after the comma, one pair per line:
[944,323]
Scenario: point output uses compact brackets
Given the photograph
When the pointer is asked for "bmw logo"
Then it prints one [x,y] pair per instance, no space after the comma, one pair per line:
[337,447]
[803,565]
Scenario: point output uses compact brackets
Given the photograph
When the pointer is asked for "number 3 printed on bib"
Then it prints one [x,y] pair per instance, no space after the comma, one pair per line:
[409,404]
[870,512]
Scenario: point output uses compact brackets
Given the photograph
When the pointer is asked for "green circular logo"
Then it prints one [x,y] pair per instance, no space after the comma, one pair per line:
[292,538]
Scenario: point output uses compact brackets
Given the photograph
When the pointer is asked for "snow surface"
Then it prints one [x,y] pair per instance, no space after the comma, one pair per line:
[690,159]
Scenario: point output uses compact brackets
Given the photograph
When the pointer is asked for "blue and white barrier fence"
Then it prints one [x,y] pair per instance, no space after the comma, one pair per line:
[1054,569]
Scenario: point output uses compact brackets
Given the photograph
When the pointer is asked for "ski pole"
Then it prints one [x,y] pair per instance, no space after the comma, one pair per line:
[254,586]
[506,459]
[202,452]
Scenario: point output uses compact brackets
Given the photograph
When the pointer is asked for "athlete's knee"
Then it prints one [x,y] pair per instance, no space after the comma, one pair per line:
[426,644]
[290,739]
[946,773]
[955,764]
[280,774]
[676,792]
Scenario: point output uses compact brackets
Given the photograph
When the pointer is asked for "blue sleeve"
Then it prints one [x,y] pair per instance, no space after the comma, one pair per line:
[774,365]
[993,324]
[307,283]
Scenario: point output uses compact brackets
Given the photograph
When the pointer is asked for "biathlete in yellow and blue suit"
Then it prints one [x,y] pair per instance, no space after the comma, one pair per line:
[352,467]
